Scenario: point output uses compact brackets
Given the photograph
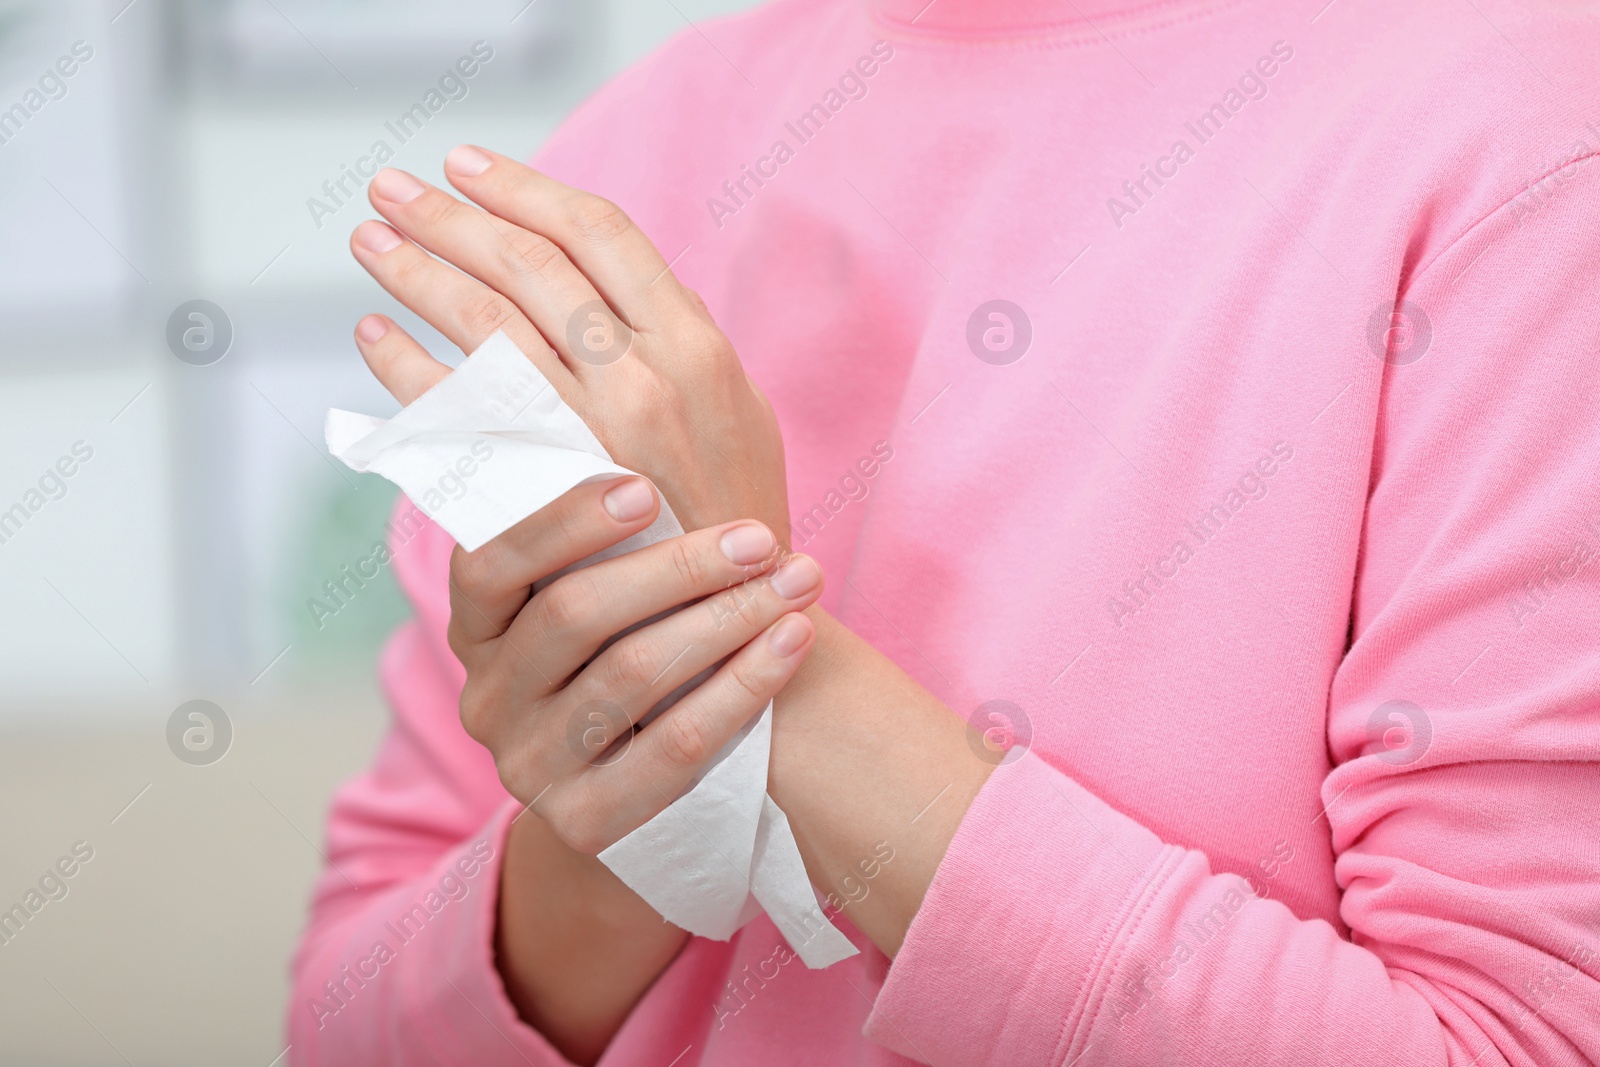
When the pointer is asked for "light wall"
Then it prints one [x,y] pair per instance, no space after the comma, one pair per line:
[183,552]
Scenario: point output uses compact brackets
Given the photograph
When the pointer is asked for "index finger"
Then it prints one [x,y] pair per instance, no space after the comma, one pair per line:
[597,235]
[490,585]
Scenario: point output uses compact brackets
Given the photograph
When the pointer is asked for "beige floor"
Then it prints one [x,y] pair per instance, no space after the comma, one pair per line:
[170,947]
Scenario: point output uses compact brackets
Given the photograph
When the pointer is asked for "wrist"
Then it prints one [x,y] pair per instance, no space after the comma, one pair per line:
[576,947]
[866,763]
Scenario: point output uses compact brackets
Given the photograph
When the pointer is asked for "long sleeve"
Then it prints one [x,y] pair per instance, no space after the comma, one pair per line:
[397,965]
[1463,730]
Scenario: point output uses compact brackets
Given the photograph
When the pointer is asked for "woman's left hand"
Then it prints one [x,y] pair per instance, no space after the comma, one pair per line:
[586,296]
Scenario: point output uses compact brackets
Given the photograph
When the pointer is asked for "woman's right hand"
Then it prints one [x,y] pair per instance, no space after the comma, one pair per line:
[558,713]
[575,946]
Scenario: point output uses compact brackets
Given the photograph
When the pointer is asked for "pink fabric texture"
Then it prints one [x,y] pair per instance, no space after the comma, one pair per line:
[1269,502]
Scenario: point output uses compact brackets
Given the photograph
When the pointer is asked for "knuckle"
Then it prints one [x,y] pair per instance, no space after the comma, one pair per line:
[751,679]
[413,270]
[484,313]
[460,644]
[527,254]
[474,572]
[633,410]
[652,404]
[510,780]
[596,219]
[575,525]
[574,822]
[691,566]
[566,604]
[755,603]
[702,339]
[521,781]
[740,606]
[514,770]
[436,208]
[630,666]
[685,740]
[477,711]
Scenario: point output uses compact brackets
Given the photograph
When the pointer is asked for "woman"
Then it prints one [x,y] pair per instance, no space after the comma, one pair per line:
[1195,396]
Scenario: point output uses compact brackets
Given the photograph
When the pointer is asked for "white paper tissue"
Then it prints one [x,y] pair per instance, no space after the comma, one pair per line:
[481,451]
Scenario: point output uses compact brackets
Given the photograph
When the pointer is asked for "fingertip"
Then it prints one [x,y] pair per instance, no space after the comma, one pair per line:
[797,577]
[375,237]
[629,500]
[394,357]
[395,186]
[747,543]
[467,161]
[371,328]
[790,635]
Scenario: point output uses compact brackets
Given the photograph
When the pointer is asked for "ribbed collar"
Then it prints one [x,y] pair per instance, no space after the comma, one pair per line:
[1027,18]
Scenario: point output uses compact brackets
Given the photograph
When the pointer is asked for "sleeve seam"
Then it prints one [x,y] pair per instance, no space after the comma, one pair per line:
[1483,219]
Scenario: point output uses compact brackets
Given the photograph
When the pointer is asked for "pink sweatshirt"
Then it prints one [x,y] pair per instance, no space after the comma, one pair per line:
[1268,503]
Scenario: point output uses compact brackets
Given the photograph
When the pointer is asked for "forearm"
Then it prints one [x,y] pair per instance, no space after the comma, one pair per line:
[863,757]
[576,947]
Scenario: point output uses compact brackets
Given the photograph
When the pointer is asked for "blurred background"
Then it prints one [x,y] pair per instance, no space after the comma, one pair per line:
[176,303]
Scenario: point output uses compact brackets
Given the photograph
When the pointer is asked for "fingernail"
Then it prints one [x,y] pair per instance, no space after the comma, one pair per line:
[747,543]
[371,329]
[630,500]
[397,186]
[466,161]
[797,577]
[789,635]
[375,236]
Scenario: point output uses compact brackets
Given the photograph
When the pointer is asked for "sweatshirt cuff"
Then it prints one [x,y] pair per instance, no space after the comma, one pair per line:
[1022,925]
[460,985]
